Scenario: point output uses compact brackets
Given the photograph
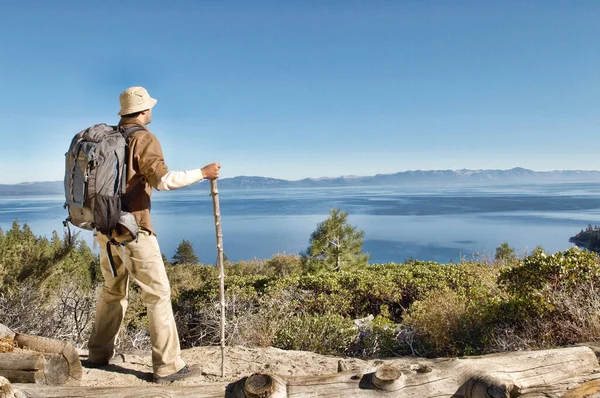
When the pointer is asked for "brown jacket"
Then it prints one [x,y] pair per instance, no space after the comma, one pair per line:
[145,167]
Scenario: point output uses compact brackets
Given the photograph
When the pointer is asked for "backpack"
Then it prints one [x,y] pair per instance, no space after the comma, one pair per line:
[95,178]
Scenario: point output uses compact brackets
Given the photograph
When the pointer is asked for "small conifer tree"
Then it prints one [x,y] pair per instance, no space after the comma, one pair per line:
[505,253]
[185,254]
[335,245]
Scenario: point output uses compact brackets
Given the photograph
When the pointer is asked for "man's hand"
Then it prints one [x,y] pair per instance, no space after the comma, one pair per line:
[211,171]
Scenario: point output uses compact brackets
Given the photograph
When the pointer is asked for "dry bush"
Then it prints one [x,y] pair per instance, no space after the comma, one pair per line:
[66,315]
[261,327]
[22,311]
[250,320]
[577,312]
[71,315]
[137,338]
[377,336]
[573,317]
[437,318]
[200,324]
[509,338]
[447,323]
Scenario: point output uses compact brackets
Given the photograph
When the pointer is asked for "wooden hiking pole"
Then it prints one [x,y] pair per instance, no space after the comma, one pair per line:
[214,192]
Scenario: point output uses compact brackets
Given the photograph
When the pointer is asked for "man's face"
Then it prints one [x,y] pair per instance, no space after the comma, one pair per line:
[148,116]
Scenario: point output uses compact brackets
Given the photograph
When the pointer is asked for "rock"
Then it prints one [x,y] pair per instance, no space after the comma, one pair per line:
[6,332]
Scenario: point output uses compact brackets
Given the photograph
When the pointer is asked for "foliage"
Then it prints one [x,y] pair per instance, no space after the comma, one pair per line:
[335,245]
[377,336]
[185,254]
[327,334]
[505,254]
[447,323]
[553,298]
[48,287]
[45,264]
[284,265]
[535,280]
[281,265]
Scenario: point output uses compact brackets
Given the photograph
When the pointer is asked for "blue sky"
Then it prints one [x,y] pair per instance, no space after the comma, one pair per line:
[294,89]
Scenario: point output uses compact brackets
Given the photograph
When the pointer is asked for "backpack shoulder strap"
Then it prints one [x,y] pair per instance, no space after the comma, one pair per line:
[128,131]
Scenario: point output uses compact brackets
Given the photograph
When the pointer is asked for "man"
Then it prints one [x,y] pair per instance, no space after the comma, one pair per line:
[141,258]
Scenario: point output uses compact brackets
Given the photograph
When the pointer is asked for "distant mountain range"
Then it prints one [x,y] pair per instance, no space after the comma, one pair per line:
[415,177]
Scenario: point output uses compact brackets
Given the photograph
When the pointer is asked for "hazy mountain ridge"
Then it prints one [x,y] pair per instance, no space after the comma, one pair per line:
[464,176]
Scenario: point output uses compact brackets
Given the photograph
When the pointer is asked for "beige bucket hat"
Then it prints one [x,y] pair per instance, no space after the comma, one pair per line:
[135,99]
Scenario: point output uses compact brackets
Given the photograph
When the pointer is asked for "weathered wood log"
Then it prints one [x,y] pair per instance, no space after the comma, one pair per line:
[590,389]
[262,385]
[31,367]
[527,374]
[213,390]
[22,367]
[53,346]
[387,378]
[342,366]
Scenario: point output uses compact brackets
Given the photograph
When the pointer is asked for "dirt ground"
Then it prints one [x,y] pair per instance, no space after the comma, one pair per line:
[135,368]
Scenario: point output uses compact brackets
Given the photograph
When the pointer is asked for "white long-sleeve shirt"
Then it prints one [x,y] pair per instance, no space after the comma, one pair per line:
[179,179]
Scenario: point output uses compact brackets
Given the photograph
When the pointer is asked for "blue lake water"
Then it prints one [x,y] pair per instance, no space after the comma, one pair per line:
[428,223]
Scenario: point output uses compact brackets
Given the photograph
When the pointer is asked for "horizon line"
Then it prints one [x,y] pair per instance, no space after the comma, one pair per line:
[354,175]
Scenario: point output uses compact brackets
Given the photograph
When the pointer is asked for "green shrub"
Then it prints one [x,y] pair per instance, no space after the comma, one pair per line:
[284,265]
[446,323]
[281,265]
[327,334]
[553,300]
[535,282]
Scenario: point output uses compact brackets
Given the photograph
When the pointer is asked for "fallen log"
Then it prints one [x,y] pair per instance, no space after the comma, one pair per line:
[527,374]
[62,349]
[29,367]
[22,367]
[49,361]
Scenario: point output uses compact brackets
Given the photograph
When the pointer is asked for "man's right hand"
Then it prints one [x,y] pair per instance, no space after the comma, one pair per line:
[211,171]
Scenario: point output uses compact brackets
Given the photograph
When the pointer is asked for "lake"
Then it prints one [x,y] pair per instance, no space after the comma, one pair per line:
[442,224]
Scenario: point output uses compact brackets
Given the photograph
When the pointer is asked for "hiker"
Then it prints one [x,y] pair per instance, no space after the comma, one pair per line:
[141,258]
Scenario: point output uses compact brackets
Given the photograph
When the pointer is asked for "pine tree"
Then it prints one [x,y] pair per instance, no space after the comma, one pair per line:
[185,254]
[505,253]
[335,245]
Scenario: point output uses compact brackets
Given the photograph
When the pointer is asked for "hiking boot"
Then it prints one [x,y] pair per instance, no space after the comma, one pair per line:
[183,373]
[94,365]
[118,358]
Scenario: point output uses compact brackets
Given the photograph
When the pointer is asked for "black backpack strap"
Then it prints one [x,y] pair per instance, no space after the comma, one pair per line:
[111,259]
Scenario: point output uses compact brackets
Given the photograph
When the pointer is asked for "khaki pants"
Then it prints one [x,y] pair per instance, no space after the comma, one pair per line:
[143,261]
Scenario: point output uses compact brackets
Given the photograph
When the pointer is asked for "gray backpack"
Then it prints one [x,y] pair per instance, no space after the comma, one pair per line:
[95,178]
